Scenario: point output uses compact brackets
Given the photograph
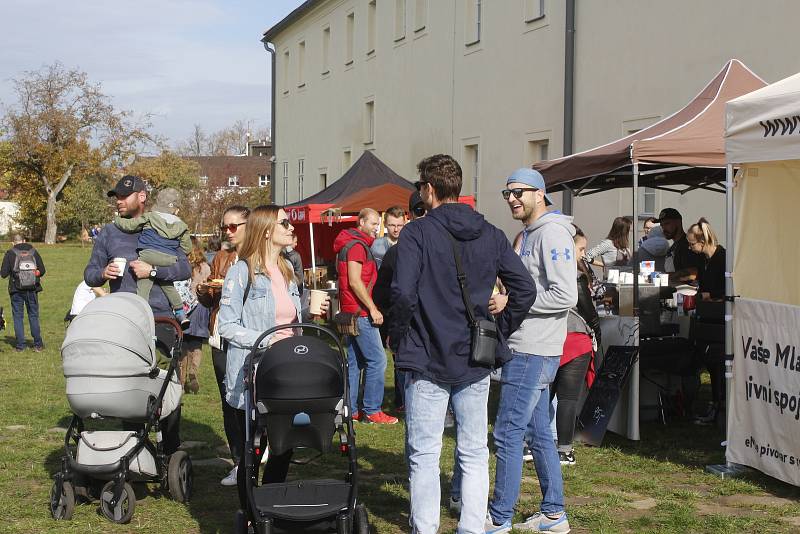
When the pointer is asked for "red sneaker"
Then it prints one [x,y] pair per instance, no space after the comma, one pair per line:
[380,418]
[358,416]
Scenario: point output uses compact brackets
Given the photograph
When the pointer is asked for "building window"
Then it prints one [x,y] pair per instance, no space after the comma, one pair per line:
[286,72]
[538,150]
[369,122]
[326,50]
[371,28]
[323,180]
[472,28]
[420,15]
[399,20]
[301,64]
[346,160]
[534,10]
[351,24]
[233,181]
[472,162]
[301,171]
[285,182]
[204,181]
[263,180]
[647,201]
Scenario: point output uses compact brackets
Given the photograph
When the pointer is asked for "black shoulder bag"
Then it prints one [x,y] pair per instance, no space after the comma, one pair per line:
[483,331]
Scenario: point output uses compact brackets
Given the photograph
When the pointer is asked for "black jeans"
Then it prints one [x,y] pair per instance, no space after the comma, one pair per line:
[229,421]
[170,430]
[568,385]
[275,471]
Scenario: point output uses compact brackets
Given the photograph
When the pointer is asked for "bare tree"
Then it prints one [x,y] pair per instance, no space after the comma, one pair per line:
[196,144]
[64,125]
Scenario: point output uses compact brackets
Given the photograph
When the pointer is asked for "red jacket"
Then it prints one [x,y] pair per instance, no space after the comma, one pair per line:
[361,253]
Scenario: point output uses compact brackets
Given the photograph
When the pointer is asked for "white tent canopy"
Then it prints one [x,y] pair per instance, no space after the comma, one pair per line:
[764,125]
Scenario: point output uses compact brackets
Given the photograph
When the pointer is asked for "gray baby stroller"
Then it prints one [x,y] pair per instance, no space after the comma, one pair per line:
[110,355]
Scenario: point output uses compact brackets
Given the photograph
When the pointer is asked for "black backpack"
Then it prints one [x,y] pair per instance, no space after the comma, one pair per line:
[26,272]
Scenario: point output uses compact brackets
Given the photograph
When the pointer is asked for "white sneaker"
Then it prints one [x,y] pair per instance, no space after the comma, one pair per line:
[455,505]
[539,522]
[230,480]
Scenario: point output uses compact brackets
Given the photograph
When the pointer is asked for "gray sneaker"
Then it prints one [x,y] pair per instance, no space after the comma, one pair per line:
[539,522]
[454,506]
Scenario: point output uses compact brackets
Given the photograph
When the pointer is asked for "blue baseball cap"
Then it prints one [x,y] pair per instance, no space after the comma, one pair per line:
[532,178]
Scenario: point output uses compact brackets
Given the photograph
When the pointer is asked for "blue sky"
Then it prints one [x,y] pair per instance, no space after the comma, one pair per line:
[185,61]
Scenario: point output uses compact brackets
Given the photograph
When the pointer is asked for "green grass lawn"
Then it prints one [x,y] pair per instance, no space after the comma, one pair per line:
[656,485]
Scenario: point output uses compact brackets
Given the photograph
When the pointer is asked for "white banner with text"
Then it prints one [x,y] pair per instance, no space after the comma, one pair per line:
[764,416]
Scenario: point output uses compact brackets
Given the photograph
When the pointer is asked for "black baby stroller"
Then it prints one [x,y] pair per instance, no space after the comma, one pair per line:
[110,356]
[297,396]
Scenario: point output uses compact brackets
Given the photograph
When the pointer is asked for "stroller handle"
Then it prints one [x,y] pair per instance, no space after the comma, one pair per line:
[171,322]
[327,331]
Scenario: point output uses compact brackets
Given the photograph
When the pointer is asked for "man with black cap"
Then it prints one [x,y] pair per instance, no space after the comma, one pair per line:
[381,293]
[114,248]
[681,262]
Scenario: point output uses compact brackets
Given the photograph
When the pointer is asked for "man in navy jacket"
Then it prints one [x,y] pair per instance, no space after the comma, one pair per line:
[430,335]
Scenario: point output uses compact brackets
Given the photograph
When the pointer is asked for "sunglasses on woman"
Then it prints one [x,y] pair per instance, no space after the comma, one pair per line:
[231,227]
[286,223]
[517,192]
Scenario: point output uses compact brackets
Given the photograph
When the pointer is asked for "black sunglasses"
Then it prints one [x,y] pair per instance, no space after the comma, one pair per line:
[231,227]
[286,223]
[517,192]
[419,211]
[419,184]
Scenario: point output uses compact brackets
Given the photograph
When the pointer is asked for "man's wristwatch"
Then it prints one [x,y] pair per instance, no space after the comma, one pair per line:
[153,272]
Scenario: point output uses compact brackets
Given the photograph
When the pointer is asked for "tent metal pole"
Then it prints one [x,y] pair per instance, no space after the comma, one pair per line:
[635,239]
[313,255]
[728,469]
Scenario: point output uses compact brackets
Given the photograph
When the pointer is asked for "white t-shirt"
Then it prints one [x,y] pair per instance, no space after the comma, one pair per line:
[83,296]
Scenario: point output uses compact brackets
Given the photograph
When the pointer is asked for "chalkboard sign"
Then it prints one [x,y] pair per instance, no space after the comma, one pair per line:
[605,392]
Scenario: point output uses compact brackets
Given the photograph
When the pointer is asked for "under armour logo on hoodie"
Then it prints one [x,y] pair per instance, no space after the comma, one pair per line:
[556,254]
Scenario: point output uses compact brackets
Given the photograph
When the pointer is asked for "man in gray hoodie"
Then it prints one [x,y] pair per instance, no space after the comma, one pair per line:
[548,252]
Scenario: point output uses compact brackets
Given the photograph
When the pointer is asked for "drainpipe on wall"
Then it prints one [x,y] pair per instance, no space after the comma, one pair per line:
[273,160]
[569,94]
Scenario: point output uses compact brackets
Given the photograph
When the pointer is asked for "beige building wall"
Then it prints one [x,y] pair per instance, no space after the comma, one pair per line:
[434,88]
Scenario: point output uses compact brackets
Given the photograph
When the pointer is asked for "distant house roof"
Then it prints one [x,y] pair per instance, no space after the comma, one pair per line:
[219,168]
[301,10]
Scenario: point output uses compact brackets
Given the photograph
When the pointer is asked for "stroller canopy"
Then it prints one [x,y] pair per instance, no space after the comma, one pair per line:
[113,336]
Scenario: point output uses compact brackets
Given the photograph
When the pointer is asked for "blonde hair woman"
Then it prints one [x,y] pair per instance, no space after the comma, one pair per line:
[244,314]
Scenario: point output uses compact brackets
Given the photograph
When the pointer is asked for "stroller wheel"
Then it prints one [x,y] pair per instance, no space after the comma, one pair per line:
[179,476]
[240,522]
[361,520]
[62,505]
[123,511]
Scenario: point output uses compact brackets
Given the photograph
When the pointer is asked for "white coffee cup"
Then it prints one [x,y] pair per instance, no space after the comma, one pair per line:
[613,276]
[316,298]
[120,263]
[664,277]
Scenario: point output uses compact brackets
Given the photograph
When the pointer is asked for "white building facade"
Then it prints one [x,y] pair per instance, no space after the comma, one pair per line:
[483,80]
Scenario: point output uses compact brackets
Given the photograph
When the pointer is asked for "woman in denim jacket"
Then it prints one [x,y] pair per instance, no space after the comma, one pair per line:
[273,300]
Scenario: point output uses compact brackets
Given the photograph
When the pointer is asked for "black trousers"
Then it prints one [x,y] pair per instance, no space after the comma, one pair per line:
[568,385]
[170,430]
[229,420]
[275,471]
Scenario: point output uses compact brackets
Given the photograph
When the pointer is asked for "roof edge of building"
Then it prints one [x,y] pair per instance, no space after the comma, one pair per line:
[298,12]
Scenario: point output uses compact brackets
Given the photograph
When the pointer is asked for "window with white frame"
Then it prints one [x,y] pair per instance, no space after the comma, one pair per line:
[534,10]
[647,201]
[204,181]
[399,20]
[285,182]
[301,171]
[263,180]
[472,162]
[369,122]
[286,72]
[233,181]
[371,8]
[301,64]
[351,28]
[420,15]
[472,27]
[347,156]
[538,150]
[326,50]
[323,180]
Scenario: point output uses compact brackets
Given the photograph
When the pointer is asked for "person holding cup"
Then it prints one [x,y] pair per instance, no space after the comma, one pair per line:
[272,299]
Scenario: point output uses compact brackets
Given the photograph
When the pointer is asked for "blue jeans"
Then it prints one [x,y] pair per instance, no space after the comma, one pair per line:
[426,406]
[19,301]
[365,352]
[525,406]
